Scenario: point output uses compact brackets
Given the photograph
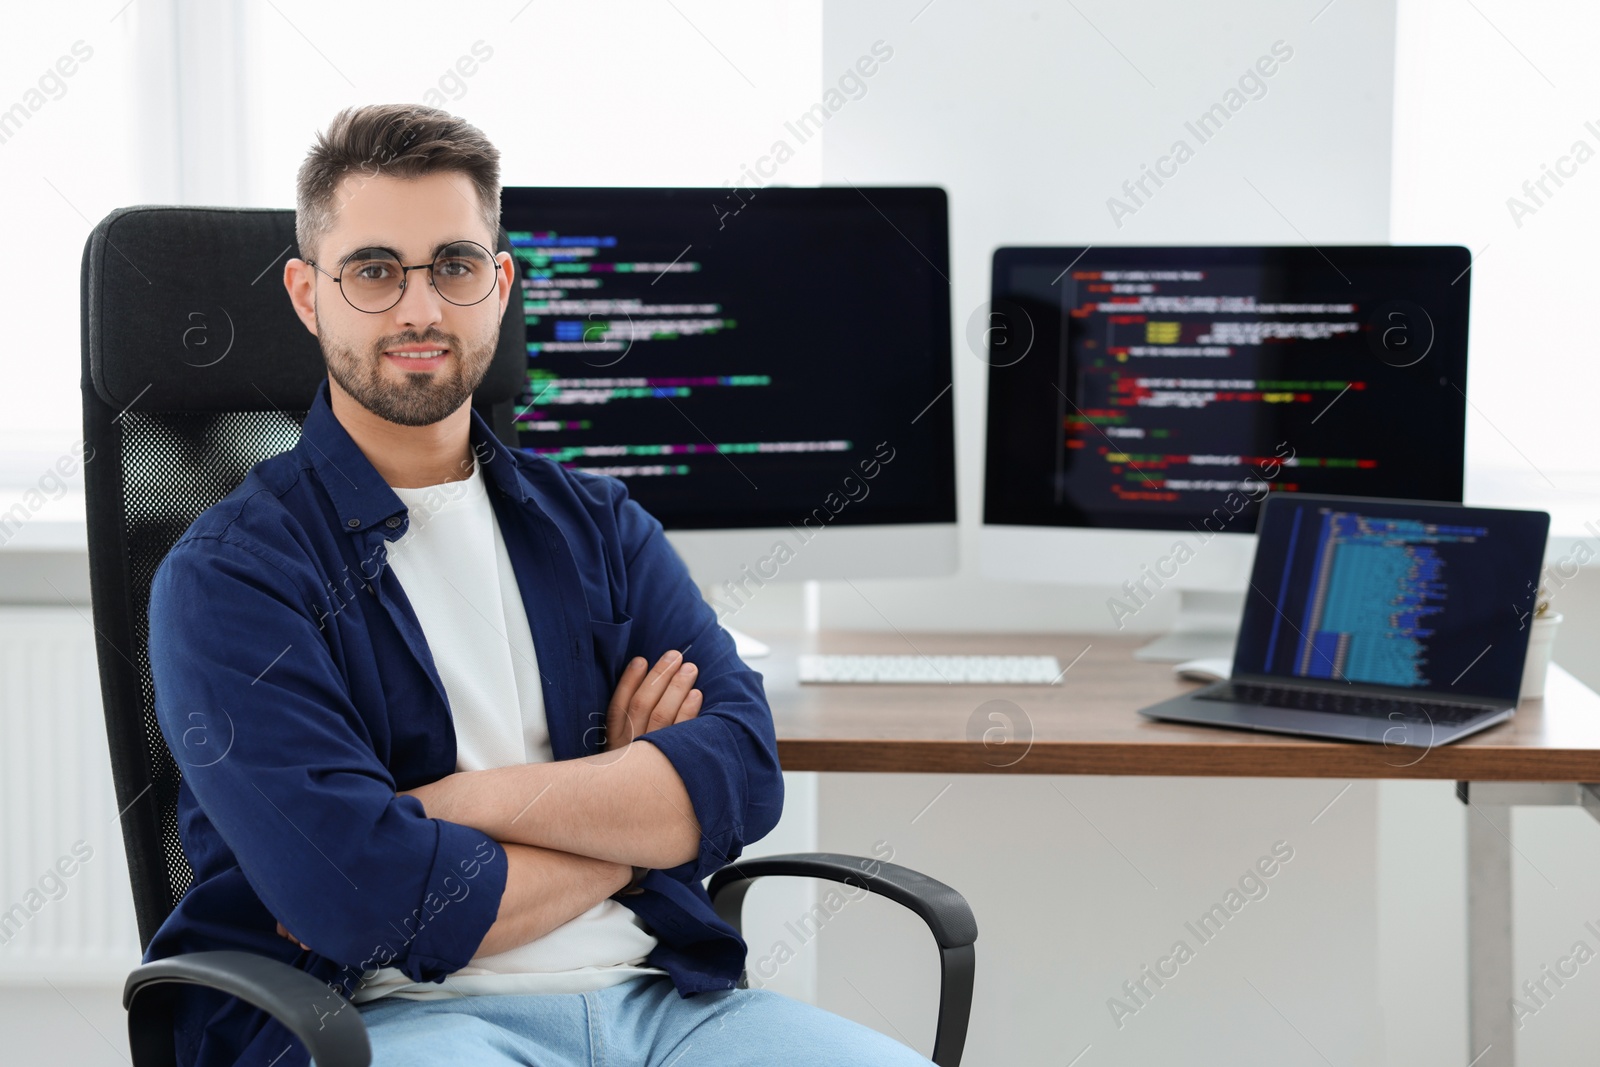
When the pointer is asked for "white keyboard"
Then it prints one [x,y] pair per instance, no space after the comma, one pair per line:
[937,670]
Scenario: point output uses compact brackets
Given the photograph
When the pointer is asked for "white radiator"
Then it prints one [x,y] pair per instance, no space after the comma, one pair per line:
[65,907]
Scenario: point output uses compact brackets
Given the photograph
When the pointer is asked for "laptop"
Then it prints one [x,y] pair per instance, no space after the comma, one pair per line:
[1394,622]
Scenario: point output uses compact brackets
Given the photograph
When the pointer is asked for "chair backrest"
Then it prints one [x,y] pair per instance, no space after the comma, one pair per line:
[195,368]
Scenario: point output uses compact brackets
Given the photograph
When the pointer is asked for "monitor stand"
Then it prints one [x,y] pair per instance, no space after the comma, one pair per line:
[1207,624]
[746,646]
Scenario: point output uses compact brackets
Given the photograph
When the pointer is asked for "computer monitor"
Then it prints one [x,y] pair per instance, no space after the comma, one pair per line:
[1143,401]
[768,370]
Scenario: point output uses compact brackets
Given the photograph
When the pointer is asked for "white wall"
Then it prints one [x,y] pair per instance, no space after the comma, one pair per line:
[1494,102]
[1080,882]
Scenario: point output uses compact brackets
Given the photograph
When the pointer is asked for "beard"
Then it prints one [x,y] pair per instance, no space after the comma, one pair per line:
[418,398]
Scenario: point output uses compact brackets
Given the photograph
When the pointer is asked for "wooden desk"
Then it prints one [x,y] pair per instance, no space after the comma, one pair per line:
[1090,724]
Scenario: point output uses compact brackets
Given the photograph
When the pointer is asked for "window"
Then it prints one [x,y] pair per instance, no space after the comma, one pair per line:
[72,149]
[1497,147]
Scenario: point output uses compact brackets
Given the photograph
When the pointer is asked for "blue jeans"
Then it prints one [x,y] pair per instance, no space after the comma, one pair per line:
[642,1022]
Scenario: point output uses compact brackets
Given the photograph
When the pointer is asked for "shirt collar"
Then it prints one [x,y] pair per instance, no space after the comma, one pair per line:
[361,498]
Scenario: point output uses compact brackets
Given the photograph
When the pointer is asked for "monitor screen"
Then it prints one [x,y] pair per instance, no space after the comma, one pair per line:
[1174,388]
[742,359]
[1413,596]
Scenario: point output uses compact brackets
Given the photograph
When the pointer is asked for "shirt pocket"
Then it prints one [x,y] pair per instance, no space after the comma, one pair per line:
[611,646]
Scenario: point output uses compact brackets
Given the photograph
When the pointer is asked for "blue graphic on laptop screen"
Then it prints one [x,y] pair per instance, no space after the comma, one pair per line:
[1376,586]
[1404,595]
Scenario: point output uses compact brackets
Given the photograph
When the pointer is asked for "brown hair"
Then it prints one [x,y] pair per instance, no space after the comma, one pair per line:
[398,141]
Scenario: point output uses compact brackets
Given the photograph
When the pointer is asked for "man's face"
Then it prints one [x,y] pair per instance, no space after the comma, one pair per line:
[414,217]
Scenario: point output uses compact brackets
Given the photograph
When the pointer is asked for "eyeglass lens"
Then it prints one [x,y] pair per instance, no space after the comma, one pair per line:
[463,273]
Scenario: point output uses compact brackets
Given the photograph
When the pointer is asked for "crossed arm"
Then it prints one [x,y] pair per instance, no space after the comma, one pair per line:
[575,830]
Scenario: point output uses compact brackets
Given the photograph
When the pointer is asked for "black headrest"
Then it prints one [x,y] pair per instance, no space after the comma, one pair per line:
[184,310]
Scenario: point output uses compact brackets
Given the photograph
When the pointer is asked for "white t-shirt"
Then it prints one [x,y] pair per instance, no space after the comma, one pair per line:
[454,568]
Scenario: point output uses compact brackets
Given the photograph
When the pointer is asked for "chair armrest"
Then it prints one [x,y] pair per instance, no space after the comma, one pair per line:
[945,911]
[309,1008]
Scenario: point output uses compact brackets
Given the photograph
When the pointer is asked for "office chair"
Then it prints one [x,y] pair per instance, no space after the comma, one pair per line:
[195,368]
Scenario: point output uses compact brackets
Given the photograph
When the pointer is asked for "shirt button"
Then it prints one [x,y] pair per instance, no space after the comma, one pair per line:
[352,523]
[393,522]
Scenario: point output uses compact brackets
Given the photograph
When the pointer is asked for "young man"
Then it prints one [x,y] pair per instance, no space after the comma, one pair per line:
[442,745]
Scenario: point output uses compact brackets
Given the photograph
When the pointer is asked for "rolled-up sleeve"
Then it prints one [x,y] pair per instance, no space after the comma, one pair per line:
[727,755]
[260,720]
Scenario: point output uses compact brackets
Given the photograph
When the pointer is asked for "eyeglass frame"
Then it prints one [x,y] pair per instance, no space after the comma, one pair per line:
[405,273]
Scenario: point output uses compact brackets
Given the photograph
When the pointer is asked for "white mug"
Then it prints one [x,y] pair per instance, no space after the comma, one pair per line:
[1540,642]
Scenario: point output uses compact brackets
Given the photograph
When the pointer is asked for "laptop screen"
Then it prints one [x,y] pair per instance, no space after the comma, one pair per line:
[1426,597]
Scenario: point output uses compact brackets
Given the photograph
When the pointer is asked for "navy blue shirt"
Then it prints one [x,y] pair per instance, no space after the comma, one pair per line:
[295,688]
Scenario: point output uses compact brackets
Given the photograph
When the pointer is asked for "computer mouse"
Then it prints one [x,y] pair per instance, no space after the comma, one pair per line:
[1204,670]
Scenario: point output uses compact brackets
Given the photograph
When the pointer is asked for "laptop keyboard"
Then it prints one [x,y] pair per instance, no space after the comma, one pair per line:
[1366,705]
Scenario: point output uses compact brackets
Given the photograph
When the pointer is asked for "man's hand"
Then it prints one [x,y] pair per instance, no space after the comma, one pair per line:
[285,933]
[642,702]
[648,701]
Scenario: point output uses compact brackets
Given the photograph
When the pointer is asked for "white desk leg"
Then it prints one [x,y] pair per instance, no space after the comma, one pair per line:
[1490,981]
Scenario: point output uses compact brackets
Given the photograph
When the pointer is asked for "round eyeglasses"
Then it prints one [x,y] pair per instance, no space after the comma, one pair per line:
[373,279]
